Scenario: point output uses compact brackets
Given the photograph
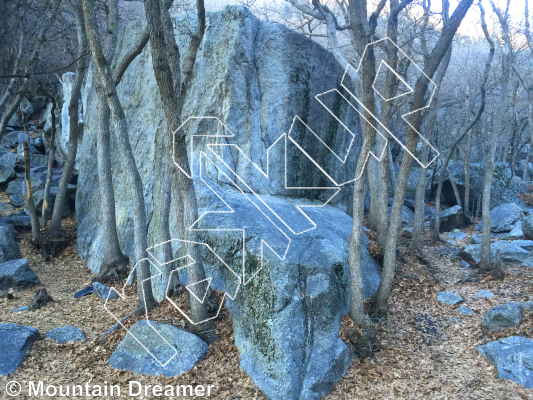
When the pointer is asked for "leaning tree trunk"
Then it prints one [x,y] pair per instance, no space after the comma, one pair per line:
[46,197]
[379,301]
[144,287]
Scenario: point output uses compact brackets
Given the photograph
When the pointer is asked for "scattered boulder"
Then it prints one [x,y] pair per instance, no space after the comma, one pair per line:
[6,174]
[503,217]
[19,220]
[512,357]
[483,293]
[41,299]
[476,238]
[180,354]
[457,235]
[17,274]
[65,334]
[103,291]
[449,298]
[502,317]
[13,139]
[515,251]
[516,232]
[452,218]
[464,264]
[465,310]
[9,248]
[8,160]
[15,341]
[16,200]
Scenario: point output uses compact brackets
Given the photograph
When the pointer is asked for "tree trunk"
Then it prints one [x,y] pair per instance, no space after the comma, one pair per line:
[74,127]
[35,228]
[46,197]
[144,288]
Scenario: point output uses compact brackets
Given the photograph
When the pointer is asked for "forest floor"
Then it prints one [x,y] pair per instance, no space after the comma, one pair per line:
[428,349]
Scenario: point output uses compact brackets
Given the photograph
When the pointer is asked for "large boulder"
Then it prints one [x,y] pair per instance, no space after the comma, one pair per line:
[171,351]
[527,226]
[287,317]
[17,274]
[9,248]
[15,341]
[454,218]
[503,218]
[515,251]
[512,357]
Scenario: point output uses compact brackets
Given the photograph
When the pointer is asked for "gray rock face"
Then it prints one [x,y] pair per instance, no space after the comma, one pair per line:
[449,298]
[15,341]
[65,334]
[502,317]
[9,248]
[103,291]
[183,350]
[512,357]
[453,218]
[17,274]
[515,251]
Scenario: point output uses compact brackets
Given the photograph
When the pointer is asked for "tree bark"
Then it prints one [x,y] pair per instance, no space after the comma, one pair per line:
[46,197]
[35,227]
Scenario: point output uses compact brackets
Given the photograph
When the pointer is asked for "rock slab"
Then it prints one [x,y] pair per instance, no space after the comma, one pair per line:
[512,357]
[449,298]
[179,350]
[15,341]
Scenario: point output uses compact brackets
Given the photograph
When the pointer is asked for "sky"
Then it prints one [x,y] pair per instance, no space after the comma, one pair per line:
[470,25]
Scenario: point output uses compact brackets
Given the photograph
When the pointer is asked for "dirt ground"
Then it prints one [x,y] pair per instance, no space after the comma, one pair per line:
[428,349]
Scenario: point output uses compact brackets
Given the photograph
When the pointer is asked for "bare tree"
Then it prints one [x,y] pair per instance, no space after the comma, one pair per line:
[144,288]
[485,259]
[379,301]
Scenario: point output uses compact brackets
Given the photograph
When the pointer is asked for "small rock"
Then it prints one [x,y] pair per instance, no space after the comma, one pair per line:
[464,264]
[483,293]
[25,308]
[456,230]
[17,274]
[184,351]
[476,238]
[457,235]
[512,357]
[16,200]
[15,341]
[502,317]
[449,298]
[66,334]
[465,310]
[103,291]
